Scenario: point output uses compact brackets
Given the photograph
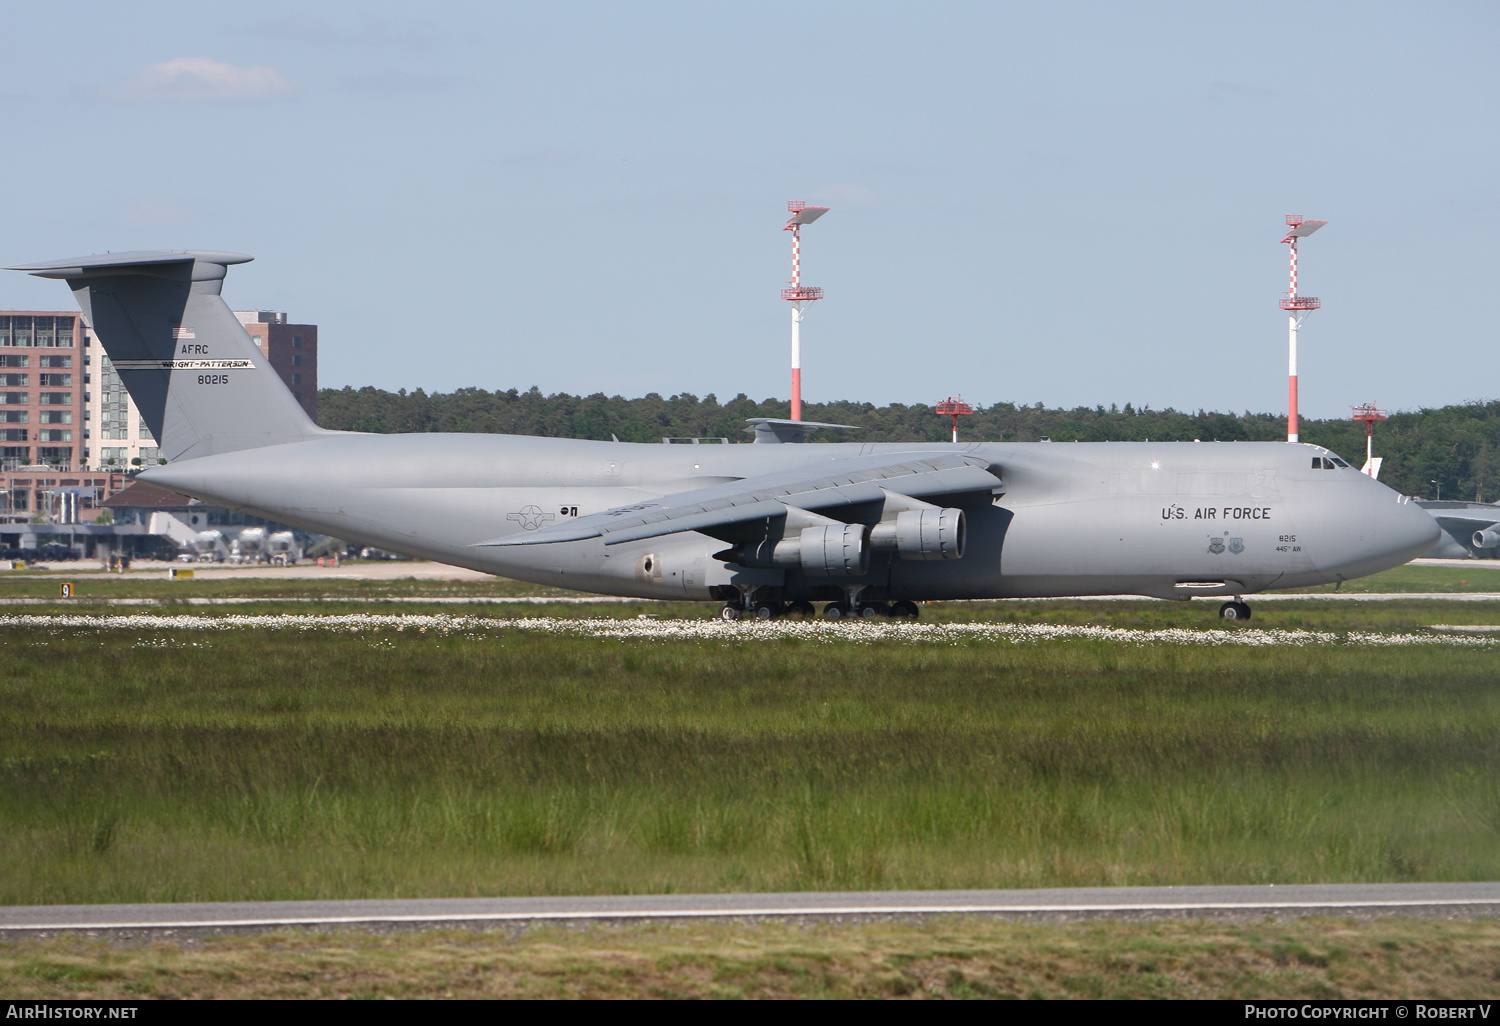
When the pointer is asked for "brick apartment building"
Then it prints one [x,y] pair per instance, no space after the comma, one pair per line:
[44,374]
[44,388]
[292,350]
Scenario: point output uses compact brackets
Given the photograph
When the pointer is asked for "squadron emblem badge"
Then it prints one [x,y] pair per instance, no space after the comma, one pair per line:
[1216,546]
[1236,545]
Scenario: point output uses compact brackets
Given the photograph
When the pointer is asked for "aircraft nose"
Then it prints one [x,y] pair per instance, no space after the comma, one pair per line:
[1403,531]
[1414,530]
[1380,530]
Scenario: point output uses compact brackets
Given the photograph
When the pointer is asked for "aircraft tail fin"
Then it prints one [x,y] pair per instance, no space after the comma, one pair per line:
[201,385]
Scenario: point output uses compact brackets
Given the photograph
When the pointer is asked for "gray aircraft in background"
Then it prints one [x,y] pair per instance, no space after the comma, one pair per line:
[1469,529]
[768,528]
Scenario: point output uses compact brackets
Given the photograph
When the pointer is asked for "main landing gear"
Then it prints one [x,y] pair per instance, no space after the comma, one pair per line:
[765,610]
[902,610]
[768,611]
[1236,610]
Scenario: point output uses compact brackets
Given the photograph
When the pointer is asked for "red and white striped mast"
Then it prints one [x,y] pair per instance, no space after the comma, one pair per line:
[798,293]
[1296,307]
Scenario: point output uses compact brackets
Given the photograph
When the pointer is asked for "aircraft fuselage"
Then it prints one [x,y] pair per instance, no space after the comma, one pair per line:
[1164,519]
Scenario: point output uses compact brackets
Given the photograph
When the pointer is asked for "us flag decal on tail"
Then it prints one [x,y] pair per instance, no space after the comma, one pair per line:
[181,333]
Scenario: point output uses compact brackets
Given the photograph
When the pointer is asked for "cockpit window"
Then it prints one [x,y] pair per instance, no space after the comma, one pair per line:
[1340,463]
[1328,463]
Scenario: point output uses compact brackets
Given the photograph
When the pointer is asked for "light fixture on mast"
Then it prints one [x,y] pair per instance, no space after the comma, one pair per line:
[1296,307]
[955,407]
[798,293]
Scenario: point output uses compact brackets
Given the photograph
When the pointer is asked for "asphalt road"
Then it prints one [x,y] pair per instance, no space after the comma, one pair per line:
[1443,900]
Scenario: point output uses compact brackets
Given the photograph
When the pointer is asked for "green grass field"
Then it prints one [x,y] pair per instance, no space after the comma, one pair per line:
[153,765]
[1475,576]
[297,595]
[944,957]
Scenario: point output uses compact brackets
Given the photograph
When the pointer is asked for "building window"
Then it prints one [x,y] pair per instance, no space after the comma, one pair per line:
[145,432]
[52,361]
[14,379]
[55,398]
[296,343]
[55,416]
[52,435]
[296,359]
[54,454]
[13,434]
[111,454]
[14,360]
[15,398]
[13,416]
[296,379]
[149,454]
[52,380]
[20,332]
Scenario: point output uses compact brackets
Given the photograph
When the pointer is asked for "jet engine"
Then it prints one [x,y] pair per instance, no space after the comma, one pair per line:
[1486,539]
[837,551]
[930,533]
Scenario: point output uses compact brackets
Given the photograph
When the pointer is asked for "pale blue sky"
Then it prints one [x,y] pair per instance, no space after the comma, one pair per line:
[1064,203]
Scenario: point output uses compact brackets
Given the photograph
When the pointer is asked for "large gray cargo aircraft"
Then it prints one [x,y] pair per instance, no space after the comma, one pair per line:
[768,529]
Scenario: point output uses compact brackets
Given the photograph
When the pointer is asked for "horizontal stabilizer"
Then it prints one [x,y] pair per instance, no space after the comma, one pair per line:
[174,264]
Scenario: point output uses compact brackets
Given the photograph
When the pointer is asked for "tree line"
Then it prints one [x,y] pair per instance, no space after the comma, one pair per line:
[1452,449]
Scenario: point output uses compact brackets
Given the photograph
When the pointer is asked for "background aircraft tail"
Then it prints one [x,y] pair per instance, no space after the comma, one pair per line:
[200,383]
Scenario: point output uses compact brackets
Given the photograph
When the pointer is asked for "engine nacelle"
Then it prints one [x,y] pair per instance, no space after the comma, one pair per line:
[922,534]
[1486,539]
[837,551]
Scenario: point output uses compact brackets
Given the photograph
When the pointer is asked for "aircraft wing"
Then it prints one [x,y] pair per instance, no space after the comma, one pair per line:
[845,483]
[1474,525]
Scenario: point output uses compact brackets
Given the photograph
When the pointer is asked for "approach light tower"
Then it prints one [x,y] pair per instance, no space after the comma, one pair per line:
[955,407]
[1369,414]
[1296,307]
[799,293]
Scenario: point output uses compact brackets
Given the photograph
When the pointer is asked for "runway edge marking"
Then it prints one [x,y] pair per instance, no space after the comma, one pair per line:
[869,910]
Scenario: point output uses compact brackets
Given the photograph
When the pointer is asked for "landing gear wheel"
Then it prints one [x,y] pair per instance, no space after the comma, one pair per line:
[1234,611]
[729,613]
[872,610]
[834,611]
[766,610]
[801,610]
[905,610]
